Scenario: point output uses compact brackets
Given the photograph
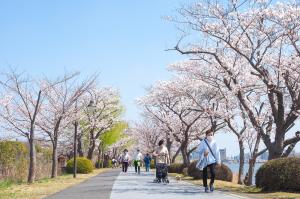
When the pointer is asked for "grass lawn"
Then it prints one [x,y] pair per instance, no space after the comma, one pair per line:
[42,188]
[251,192]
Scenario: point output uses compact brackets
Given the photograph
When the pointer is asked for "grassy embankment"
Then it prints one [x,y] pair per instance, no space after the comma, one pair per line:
[42,188]
[241,190]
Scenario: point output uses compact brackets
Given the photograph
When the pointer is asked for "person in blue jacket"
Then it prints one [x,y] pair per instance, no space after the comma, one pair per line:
[147,161]
[209,157]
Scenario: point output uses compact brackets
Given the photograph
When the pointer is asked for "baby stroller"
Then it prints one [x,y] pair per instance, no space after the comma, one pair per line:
[161,173]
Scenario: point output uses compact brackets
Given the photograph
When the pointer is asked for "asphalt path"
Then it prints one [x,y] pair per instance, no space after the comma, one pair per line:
[134,186]
[98,187]
[116,185]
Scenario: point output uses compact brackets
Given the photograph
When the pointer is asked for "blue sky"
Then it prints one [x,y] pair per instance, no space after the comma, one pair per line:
[123,40]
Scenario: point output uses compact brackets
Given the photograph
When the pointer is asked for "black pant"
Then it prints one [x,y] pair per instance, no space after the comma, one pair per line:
[212,174]
[124,166]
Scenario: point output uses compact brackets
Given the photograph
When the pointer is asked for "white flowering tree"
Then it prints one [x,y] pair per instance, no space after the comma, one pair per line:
[58,110]
[147,135]
[106,114]
[157,121]
[230,109]
[110,143]
[20,108]
[254,47]
[185,112]
[115,149]
[19,111]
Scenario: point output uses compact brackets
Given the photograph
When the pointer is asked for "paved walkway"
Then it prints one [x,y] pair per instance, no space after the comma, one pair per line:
[111,185]
[133,186]
[98,187]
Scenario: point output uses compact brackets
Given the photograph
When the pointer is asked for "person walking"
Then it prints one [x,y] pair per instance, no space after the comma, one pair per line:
[137,161]
[147,161]
[125,160]
[162,162]
[209,157]
[114,163]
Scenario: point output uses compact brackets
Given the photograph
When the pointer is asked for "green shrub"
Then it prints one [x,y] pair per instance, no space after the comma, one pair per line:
[223,172]
[176,168]
[43,162]
[84,165]
[13,160]
[281,174]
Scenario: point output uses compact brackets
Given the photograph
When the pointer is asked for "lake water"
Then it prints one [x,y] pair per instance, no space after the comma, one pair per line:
[235,168]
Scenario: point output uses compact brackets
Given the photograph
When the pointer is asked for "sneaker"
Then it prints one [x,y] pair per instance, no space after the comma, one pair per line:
[206,190]
[211,187]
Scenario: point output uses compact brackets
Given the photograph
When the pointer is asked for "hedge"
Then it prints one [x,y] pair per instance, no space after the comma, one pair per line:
[84,165]
[13,160]
[281,174]
[223,172]
[176,168]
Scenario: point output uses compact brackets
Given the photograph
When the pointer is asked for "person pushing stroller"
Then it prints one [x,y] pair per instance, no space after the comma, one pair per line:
[162,162]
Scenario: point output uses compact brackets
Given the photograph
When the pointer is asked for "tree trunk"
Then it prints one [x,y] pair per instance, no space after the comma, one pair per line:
[175,156]
[252,162]
[91,149]
[184,152]
[54,160]
[169,146]
[79,146]
[31,137]
[242,162]
[102,156]
[32,159]
[106,161]
[276,149]
[115,153]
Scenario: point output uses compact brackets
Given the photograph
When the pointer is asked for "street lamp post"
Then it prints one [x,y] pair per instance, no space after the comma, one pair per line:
[75,142]
[90,108]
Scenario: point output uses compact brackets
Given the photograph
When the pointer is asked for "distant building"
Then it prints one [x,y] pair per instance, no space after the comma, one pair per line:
[223,154]
[236,158]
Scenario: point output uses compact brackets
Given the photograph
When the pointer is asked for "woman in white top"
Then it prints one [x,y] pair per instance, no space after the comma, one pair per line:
[137,161]
[125,160]
[162,161]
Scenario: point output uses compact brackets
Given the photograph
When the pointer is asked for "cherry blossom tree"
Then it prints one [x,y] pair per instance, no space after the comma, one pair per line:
[58,111]
[20,109]
[158,125]
[107,113]
[185,111]
[147,135]
[254,47]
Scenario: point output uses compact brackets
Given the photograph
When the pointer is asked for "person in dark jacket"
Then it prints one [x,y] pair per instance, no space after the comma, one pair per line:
[147,161]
